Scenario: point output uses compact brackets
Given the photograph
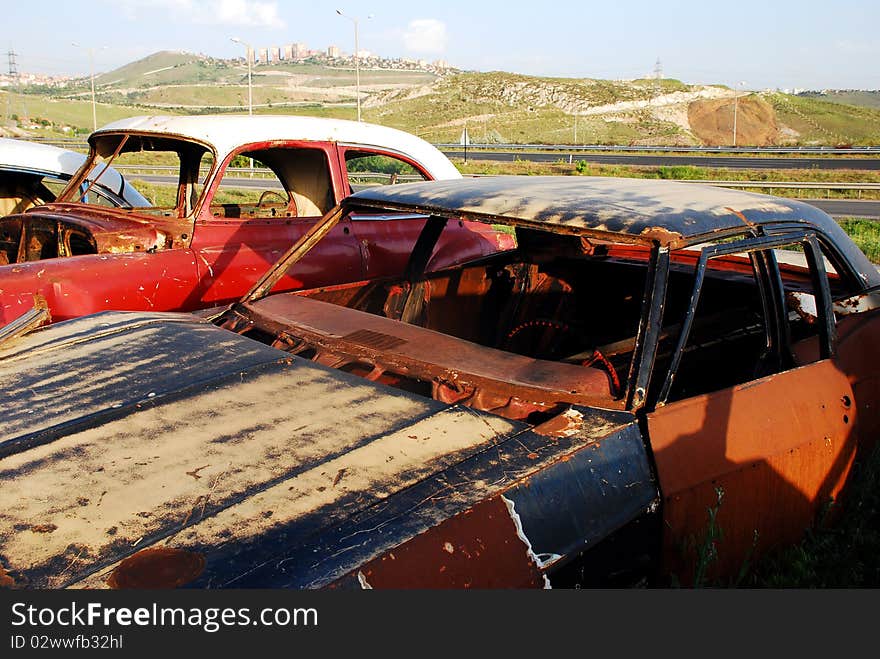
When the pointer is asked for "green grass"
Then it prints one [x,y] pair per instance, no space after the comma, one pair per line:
[865,234]
[868,99]
[845,554]
[497,107]
[824,122]
[73,113]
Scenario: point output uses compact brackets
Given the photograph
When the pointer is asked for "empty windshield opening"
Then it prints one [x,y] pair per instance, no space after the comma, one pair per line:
[169,173]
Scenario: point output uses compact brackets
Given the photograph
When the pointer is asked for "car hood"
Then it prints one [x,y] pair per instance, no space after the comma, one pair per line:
[157,449]
[114,230]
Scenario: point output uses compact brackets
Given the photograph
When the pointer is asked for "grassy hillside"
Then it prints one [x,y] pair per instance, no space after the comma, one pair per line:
[185,82]
[76,115]
[863,98]
[509,108]
[496,107]
[823,122]
[165,67]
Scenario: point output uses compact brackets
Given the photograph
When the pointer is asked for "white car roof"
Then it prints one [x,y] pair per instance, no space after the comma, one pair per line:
[227,132]
[51,160]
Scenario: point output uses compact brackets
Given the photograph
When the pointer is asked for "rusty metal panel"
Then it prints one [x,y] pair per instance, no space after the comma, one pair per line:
[318,527]
[858,355]
[480,548]
[777,447]
[428,355]
[543,521]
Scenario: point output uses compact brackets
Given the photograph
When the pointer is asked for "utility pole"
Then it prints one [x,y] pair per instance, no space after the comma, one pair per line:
[735,103]
[92,77]
[357,59]
[658,77]
[249,56]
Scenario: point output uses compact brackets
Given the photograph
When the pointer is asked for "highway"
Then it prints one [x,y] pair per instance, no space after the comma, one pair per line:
[657,160]
[847,207]
[834,207]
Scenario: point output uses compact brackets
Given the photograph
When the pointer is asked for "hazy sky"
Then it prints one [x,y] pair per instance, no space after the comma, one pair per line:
[764,43]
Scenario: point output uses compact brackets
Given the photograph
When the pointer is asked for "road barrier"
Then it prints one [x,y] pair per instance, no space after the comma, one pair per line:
[787,150]
[78,143]
[363,177]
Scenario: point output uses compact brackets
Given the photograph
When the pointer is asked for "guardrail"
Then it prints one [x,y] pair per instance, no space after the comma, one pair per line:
[796,185]
[245,172]
[856,150]
[78,143]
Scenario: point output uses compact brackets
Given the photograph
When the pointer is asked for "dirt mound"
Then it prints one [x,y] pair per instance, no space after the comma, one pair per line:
[712,122]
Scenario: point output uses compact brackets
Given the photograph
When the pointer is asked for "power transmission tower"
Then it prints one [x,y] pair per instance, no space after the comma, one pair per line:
[13,77]
[13,67]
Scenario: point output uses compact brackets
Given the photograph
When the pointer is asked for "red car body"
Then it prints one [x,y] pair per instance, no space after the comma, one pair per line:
[206,250]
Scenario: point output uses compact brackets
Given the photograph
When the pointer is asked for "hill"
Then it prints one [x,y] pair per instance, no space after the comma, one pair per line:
[165,67]
[186,82]
[496,107]
[860,97]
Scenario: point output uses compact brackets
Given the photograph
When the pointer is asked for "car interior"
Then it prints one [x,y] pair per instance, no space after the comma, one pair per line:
[526,332]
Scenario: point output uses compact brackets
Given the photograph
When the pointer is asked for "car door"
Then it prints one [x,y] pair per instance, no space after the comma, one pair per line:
[752,429]
[252,216]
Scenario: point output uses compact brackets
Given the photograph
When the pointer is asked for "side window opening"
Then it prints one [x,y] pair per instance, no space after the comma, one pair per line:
[728,336]
[284,182]
[366,169]
[748,313]
[20,191]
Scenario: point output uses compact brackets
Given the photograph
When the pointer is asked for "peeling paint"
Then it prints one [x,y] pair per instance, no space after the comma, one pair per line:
[511,508]
[362,580]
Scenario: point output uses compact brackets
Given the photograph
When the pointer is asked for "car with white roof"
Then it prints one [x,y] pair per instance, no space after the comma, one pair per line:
[32,173]
[242,189]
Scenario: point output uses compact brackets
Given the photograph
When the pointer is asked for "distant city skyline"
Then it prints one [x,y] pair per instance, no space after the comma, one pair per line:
[784,44]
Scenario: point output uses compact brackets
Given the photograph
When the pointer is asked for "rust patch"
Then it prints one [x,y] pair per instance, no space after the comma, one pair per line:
[662,235]
[739,214]
[479,548]
[157,567]
[195,472]
[6,581]
[563,425]
[43,528]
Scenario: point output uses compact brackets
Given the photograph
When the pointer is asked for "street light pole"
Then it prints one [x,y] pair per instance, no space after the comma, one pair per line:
[735,103]
[92,77]
[248,54]
[357,61]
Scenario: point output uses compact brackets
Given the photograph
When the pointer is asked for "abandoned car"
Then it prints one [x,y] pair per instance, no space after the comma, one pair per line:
[246,187]
[32,174]
[652,357]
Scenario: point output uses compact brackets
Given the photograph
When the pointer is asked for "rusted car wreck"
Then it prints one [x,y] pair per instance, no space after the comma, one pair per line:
[563,413]
[246,188]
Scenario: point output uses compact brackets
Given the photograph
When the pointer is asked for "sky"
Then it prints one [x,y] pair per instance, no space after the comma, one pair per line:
[809,44]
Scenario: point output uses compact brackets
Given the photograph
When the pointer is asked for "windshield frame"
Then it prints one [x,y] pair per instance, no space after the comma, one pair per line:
[82,179]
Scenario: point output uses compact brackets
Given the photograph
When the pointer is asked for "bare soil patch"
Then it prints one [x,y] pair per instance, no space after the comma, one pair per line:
[712,122]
